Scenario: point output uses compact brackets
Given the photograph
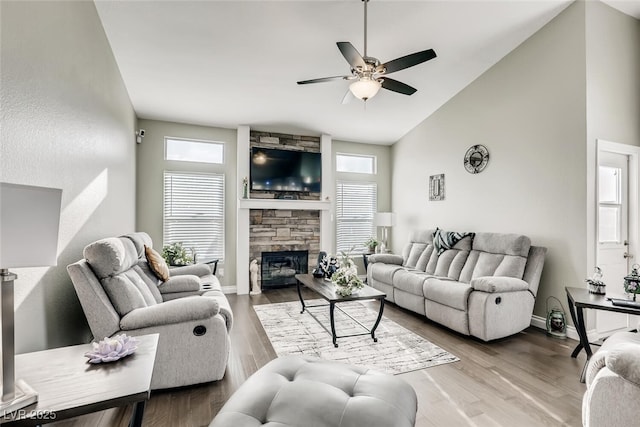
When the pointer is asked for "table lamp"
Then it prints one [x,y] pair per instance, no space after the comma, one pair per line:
[29,222]
[384,220]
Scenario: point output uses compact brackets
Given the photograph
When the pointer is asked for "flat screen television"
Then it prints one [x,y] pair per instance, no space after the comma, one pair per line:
[285,170]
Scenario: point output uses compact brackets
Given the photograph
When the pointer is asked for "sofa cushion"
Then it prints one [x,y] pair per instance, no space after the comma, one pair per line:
[414,254]
[423,261]
[157,263]
[384,272]
[496,254]
[443,240]
[140,239]
[502,243]
[411,281]
[127,291]
[451,262]
[422,237]
[447,292]
[110,256]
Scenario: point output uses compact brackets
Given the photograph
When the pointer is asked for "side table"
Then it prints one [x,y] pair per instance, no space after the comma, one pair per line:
[579,299]
[68,386]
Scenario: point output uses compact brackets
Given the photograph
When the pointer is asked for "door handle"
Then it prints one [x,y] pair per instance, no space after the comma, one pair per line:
[627,255]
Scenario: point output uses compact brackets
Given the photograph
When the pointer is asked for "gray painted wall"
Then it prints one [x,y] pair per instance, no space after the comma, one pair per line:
[67,122]
[529,110]
[613,75]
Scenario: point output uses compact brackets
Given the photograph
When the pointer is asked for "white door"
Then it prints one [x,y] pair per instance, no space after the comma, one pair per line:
[614,257]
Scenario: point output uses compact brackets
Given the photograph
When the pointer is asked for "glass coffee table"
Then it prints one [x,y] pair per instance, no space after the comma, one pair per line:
[327,291]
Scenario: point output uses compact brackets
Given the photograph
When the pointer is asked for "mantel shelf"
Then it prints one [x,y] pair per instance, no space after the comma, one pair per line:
[312,205]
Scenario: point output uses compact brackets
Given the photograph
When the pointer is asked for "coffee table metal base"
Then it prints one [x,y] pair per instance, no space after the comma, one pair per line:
[332,306]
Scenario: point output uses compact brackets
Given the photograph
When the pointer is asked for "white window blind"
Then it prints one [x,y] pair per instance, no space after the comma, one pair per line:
[194,212]
[356,204]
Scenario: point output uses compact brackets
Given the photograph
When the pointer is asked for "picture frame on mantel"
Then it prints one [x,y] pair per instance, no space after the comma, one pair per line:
[436,187]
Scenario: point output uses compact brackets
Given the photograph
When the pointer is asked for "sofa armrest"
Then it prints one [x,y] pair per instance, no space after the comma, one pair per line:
[170,312]
[493,284]
[182,283]
[624,360]
[386,259]
[193,269]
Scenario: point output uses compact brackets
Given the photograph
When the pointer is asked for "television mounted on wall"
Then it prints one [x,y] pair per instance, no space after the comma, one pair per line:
[285,170]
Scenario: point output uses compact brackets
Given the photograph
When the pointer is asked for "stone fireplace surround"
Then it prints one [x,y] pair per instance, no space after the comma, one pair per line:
[268,224]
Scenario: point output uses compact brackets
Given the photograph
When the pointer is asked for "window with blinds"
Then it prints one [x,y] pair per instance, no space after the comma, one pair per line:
[194,212]
[356,204]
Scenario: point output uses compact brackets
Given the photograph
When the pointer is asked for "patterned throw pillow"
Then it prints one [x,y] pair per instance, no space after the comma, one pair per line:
[443,240]
[157,263]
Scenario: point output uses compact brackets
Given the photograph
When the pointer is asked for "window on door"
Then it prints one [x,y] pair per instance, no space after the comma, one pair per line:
[610,204]
[194,212]
[356,204]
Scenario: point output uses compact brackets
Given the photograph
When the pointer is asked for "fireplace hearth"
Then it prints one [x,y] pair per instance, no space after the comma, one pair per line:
[278,269]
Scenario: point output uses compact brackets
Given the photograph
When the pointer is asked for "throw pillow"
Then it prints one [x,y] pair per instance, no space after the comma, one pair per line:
[443,240]
[157,263]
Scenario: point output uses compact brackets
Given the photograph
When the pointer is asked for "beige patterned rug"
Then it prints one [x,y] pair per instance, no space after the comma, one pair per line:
[398,350]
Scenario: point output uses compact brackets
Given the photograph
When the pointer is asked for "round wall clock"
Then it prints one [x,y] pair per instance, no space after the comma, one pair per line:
[476,159]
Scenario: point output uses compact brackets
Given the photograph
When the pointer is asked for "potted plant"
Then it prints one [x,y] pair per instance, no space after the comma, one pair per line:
[372,243]
[176,254]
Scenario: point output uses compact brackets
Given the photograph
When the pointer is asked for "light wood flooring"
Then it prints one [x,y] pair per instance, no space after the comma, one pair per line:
[528,379]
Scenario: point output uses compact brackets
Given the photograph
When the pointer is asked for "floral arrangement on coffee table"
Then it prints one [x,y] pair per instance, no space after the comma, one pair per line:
[346,277]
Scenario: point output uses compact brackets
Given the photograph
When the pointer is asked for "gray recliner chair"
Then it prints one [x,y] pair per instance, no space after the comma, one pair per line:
[120,294]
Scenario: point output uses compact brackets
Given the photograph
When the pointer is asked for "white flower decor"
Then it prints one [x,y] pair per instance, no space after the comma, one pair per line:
[346,277]
[112,349]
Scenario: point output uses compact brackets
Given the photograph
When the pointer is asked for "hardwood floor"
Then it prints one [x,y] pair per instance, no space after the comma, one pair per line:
[528,379]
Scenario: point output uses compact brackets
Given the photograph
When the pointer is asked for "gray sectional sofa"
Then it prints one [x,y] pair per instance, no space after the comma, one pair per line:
[483,285]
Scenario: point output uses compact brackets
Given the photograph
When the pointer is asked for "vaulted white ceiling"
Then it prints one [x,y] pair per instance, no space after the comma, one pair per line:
[230,63]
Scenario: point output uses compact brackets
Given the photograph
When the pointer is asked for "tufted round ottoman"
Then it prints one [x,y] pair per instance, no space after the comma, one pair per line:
[309,392]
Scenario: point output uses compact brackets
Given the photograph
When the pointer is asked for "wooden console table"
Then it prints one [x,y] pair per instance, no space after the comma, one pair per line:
[68,386]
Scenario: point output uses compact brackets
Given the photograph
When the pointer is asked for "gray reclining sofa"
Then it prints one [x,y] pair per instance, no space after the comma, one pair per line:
[483,284]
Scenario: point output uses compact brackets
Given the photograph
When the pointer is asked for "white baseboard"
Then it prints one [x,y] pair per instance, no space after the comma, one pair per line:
[541,323]
[229,289]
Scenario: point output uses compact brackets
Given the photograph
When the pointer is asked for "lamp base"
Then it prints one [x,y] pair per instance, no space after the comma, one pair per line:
[24,396]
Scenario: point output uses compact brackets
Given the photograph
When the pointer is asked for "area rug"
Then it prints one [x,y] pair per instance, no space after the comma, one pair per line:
[398,350]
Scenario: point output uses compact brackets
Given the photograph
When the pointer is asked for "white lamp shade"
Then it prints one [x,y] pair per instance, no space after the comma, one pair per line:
[365,88]
[29,223]
[384,219]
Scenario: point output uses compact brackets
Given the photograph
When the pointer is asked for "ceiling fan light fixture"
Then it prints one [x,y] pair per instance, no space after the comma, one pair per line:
[365,88]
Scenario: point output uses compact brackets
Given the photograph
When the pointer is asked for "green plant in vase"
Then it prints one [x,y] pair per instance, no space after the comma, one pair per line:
[372,243]
[176,254]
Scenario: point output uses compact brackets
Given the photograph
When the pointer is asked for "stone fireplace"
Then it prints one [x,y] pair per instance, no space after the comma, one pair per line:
[278,230]
[268,223]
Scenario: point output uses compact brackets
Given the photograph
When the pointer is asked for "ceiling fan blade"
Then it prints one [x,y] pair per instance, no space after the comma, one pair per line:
[352,56]
[397,86]
[324,79]
[408,61]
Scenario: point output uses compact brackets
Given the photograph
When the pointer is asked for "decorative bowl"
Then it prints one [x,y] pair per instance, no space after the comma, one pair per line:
[112,349]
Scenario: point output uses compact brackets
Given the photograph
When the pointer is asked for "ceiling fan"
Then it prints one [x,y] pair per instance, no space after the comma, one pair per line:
[368,74]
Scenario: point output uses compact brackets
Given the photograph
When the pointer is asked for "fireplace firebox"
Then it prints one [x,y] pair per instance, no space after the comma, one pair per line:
[278,269]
